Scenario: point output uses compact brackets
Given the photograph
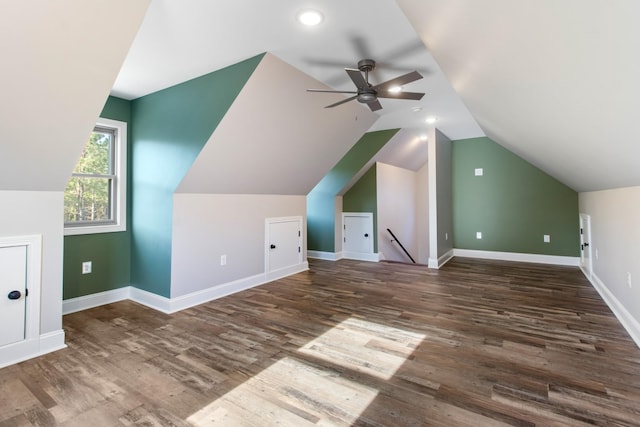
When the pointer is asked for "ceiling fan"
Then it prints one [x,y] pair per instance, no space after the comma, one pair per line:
[367,93]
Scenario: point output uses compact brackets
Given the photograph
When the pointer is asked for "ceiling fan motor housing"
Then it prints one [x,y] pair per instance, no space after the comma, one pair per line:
[367,96]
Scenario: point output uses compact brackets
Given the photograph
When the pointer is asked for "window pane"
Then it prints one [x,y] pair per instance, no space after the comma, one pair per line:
[96,156]
[87,199]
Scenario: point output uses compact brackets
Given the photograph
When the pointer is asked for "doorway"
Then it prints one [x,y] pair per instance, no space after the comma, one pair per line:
[586,262]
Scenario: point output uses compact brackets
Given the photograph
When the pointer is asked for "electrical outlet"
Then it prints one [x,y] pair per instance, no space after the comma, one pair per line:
[86,267]
[546,238]
[479,172]
[478,235]
[223,260]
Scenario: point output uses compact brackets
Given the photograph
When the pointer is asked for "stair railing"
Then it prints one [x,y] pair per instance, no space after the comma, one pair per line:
[399,243]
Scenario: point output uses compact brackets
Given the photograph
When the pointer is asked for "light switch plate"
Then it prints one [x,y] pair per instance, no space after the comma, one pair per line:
[479,172]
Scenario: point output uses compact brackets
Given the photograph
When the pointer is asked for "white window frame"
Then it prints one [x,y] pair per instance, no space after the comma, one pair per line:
[120,185]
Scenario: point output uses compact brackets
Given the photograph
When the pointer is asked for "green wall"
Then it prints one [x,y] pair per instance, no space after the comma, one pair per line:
[321,200]
[170,129]
[362,197]
[108,252]
[513,204]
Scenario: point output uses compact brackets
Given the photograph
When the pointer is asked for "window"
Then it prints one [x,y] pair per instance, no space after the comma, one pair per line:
[95,197]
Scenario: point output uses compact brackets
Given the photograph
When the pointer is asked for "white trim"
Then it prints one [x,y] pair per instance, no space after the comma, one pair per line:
[513,256]
[94,300]
[30,348]
[31,345]
[437,263]
[173,305]
[627,320]
[270,276]
[361,256]
[120,214]
[328,256]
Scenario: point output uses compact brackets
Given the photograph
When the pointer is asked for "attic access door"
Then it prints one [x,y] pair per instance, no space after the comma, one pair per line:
[357,232]
[13,286]
[283,237]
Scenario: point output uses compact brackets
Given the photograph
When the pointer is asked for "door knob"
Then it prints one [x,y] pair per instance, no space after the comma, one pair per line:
[14,295]
[273,246]
[366,234]
[585,244]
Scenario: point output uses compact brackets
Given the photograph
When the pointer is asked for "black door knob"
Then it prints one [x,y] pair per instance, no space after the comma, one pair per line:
[14,295]
[273,246]
[366,234]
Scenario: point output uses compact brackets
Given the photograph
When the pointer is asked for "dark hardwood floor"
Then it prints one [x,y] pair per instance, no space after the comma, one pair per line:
[477,343]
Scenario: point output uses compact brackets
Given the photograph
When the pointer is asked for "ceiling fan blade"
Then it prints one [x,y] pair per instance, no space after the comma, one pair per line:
[351,98]
[398,81]
[401,95]
[375,105]
[357,78]
[331,91]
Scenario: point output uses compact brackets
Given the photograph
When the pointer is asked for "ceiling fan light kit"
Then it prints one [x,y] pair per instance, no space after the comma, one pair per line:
[367,93]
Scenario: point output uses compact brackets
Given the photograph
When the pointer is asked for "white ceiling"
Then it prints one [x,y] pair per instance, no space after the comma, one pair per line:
[180,40]
[556,82]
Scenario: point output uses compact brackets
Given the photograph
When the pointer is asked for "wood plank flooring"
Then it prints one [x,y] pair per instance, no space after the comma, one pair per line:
[477,343]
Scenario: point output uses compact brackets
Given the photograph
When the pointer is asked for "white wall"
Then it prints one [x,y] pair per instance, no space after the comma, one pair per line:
[206,226]
[615,237]
[39,212]
[422,213]
[397,211]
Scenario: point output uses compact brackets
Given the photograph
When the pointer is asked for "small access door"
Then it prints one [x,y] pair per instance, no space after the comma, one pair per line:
[357,228]
[284,242]
[585,244]
[13,289]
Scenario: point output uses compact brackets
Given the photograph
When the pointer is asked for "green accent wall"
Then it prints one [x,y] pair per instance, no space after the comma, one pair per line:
[513,204]
[170,128]
[321,200]
[362,197]
[108,252]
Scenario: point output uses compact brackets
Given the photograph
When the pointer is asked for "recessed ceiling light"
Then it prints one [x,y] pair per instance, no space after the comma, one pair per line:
[431,120]
[395,89]
[310,17]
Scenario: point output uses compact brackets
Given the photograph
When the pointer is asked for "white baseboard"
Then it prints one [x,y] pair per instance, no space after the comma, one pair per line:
[358,256]
[327,256]
[28,349]
[631,325]
[94,300]
[175,304]
[442,260]
[512,256]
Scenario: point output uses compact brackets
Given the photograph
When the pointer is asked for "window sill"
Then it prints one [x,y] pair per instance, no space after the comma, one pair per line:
[94,229]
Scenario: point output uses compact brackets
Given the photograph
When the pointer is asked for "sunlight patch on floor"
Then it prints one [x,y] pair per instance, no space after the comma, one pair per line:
[312,389]
[363,346]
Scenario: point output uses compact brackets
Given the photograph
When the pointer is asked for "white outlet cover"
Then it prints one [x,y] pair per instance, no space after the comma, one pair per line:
[479,235]
[547,238]
[479,171]
[86,267]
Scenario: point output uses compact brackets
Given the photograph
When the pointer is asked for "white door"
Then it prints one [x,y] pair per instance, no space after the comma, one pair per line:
[13,280]
[357,232]
[284,242]
[585,244]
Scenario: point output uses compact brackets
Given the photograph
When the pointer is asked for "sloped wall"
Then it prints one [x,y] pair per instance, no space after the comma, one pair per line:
[271,148]
[170,128]
[321,200]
